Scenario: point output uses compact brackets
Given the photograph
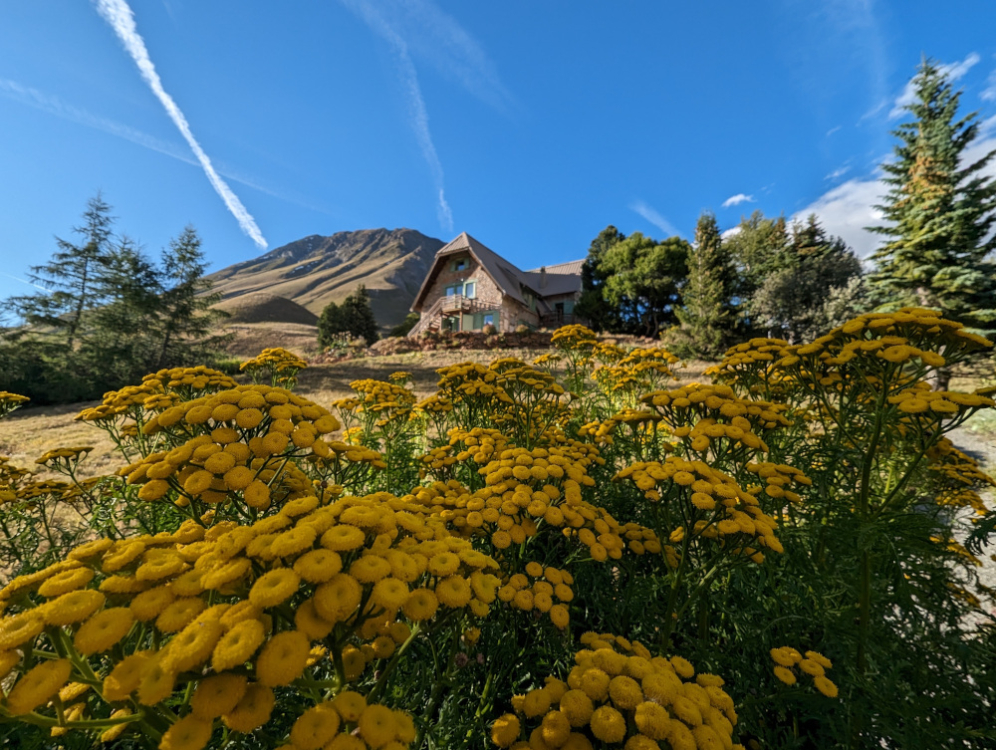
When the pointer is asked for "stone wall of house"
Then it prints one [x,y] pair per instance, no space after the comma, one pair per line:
[488,296]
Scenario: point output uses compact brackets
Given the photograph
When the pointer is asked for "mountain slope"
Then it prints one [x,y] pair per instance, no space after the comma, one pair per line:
[316,270]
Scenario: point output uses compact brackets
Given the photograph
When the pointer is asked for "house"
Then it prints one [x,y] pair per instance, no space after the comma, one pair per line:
[470,286]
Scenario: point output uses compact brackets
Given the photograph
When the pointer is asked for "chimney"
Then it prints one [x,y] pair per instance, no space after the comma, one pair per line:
[543,277]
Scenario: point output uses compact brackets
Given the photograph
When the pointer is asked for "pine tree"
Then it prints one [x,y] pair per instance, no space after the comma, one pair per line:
[354,316]
[941,210]
[184,316]
[358,316]
[70,276]
[707,315]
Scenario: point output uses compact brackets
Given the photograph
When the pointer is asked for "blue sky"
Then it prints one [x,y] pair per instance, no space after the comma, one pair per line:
[530,125]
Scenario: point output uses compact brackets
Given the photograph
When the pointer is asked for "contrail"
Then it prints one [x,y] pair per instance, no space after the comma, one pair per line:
[119,16]
[29,283]
[654,217]
[419,114]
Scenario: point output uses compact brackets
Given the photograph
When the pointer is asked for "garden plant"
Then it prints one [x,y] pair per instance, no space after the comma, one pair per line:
[578,552]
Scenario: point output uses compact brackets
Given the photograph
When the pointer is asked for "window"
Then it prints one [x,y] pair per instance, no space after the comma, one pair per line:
[470,290]
[489,319]
[453,289]
[459,265]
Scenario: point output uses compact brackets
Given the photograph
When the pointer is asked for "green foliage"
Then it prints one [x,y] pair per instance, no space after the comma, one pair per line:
[110,314]
[636,281]
[707,314]
[793,281]
[592,305]
[940,210]
[403,328]
[354,317]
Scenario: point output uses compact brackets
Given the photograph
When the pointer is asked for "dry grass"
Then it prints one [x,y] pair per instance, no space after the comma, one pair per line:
[29,432]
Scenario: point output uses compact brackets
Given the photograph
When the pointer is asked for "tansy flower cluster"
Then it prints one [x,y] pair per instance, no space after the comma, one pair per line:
[240,610]
[543,589]
[234,447]
[275,366]
[788,660]
[10,401]
[714,505]
[620,694]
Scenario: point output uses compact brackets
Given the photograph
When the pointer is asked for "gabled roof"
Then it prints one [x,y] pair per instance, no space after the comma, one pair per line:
[506,275]
[570,268]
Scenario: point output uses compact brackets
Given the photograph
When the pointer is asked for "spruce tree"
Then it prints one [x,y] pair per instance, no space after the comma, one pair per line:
[707,315]
[358,316]
[940,210]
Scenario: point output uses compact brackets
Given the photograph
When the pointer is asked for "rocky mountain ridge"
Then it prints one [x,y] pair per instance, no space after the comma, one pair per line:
[316,270]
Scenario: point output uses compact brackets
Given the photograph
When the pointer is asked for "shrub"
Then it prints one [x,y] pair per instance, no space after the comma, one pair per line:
[577,552]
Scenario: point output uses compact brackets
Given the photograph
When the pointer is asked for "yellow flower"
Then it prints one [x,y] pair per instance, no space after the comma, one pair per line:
[148,605]
[350,705]
[318,565]
[103,630]
[239,477]
[65,581]
[389,593]
[20,628]
[125,677]
[819,659]
[453,592]
[811,667]
[421,605]
[179,614]
[189,733]
[156,683]
[595,684]
[336,599]
[444,564]
[274,587]
[683,667]
[253,711]
[608,725]
[73,607]
[370,568]
[238,645]
[652,720]
[218,694]
[625,692]
[343,538]
[257,495]
[825,686]
[283,658]
[377,725]
[315,727]
[505,730]
[38,685]
[192,646]
[785,675]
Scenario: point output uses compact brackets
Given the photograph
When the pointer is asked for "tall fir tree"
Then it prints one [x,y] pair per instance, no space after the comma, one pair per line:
[353,316]
[707,313]
[941,208]
[71,277]
[185,317]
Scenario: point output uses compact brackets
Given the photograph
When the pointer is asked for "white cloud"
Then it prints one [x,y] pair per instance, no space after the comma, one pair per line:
[731,232]
[833,130]
[847,209]
[838,173]
[419,115]
[437,38]
[953,71]
[653,216]
[736,200]
[119,16]
[989,92]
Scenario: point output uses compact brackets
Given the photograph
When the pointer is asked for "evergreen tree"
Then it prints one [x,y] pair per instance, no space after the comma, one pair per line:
[940,208]
[70,276]
[184,316]
[354,317]
[330,324]
[592,307]
[358,316]
[707,315]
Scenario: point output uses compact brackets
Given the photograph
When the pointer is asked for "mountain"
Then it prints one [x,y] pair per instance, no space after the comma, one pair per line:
[316,270]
